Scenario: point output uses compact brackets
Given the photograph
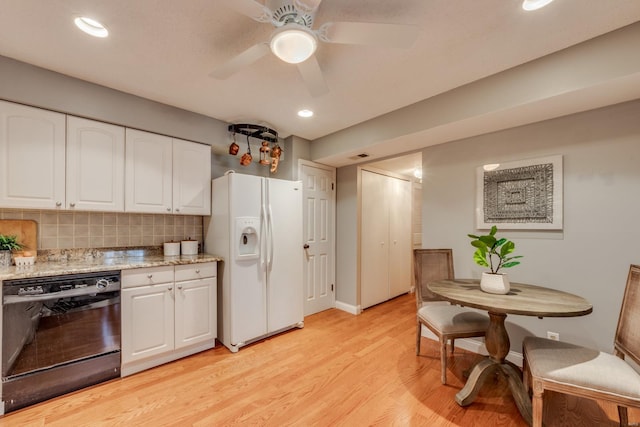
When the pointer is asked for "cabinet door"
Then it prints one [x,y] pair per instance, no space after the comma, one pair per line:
[191,178]
[399,236]
[374,261]
[32,157]
[195,312]
[95,165]
[148,172]
[147,321]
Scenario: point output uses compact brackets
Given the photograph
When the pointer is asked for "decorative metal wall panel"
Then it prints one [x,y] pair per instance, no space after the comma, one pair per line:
[521,195]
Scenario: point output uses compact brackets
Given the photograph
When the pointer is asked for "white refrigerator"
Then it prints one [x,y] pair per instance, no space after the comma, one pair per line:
[256,226]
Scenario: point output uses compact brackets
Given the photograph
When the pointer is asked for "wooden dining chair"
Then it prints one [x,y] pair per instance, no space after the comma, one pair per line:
[446,321]
[589,373]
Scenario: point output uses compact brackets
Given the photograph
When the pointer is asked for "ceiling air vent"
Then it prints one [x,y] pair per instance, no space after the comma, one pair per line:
[359,156]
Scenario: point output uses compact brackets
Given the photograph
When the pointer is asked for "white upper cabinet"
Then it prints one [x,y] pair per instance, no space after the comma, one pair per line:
[52,161]
[95,165]
[166,175]
[32,157]
[191,178]
[148,172]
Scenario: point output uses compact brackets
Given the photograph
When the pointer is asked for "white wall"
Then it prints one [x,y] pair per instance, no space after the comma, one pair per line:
[601,236]
[347,236]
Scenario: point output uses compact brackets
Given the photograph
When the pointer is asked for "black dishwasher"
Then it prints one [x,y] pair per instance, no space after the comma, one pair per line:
[59,334]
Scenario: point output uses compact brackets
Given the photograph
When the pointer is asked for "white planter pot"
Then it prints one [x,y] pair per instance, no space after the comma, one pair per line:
[495,283]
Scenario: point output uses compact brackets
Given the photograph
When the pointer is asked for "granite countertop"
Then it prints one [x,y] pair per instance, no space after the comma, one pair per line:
[54,265]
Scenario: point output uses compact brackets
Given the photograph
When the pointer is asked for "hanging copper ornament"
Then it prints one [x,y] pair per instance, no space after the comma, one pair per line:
[233,148]
[264,153]
[246,158]
[276,152]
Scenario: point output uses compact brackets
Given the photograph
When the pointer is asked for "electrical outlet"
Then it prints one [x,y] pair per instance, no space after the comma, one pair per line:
[553,336]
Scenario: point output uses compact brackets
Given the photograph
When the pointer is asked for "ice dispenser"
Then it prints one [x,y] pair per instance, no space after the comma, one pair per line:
[247,237]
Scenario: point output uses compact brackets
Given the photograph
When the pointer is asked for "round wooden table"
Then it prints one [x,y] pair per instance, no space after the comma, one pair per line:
[525,300]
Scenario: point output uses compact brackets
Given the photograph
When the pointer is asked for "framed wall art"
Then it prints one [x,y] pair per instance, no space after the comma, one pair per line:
[524,195]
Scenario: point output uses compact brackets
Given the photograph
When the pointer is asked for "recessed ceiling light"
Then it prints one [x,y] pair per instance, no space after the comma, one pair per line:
[534,4]
[305,113]
[91,26]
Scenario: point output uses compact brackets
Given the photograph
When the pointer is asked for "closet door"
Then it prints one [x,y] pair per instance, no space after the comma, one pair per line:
[399,236]
[374,262]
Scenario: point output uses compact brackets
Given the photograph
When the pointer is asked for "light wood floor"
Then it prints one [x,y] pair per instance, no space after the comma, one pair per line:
[340,370]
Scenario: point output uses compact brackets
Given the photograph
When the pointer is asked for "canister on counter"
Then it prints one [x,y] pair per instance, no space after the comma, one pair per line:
[189,247]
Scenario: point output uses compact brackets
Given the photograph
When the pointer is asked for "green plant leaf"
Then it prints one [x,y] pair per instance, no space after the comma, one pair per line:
[479,244]
[507,248]
[473,236]
[501,242]
[510,264]
[493,231]
[479,258]
[488,240]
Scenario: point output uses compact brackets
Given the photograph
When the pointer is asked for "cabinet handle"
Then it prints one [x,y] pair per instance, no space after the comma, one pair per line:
[169,289]
[177,210]
[168,209]
[197,271]
[180,287]
[73,205]
[58,204]
[149,276]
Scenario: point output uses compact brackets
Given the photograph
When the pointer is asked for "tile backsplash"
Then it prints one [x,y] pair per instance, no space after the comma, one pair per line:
[68,230]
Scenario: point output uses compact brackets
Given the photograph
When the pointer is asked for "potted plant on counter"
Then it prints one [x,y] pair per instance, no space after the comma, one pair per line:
[495,253]
[8,244]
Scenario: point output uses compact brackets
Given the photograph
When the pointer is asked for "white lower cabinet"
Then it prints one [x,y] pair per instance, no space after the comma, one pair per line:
[167,313]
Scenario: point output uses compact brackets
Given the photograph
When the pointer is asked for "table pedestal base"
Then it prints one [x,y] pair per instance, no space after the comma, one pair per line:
[497,343]
[488,368]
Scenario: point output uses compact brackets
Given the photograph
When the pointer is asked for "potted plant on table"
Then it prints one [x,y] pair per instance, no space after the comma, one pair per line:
[495,253]
[8,244]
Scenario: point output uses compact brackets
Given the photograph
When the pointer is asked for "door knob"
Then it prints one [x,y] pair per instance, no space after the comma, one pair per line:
[306,246]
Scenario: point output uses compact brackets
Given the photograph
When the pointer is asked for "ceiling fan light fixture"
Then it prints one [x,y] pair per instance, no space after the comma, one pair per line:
[530,5]
[293,43]
[91,26]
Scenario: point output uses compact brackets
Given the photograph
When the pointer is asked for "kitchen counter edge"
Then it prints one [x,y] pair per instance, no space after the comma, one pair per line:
[42,269]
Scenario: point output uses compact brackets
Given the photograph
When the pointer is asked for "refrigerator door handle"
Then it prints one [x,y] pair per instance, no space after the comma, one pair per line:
[270,231]
[263,237]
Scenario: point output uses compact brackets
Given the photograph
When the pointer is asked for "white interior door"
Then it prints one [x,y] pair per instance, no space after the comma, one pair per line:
[374,253]
[399,237]
[319,235]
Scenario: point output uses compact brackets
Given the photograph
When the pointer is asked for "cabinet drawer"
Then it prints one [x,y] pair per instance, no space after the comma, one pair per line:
[195,271]
[147,276]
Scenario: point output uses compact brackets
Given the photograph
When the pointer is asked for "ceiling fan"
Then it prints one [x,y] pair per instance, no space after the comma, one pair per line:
[294,41]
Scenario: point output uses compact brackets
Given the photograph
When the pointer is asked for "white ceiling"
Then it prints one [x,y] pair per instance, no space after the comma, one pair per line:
[164,50]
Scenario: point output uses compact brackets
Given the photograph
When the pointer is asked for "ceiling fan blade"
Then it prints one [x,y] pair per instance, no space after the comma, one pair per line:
[244,59]
[312,76]
[306,6]
[386,35]
[251,8]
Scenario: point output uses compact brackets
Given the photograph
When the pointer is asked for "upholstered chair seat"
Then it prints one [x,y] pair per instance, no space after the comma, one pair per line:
[585,372]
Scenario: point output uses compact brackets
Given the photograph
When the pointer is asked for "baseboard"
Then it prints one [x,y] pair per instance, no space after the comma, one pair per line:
[353,309]
[475,346]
